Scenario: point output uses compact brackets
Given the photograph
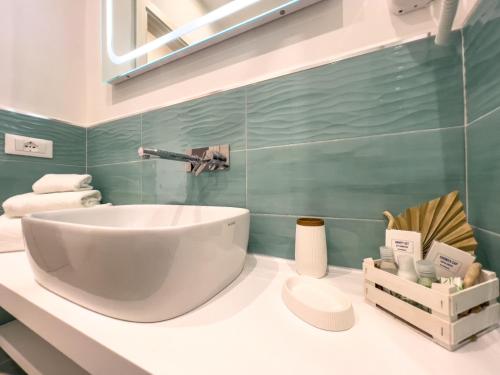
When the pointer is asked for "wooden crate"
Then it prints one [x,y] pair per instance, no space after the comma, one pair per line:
[443,312]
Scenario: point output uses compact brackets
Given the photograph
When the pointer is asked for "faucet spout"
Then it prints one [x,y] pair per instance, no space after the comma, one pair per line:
[146,153]
[204,159]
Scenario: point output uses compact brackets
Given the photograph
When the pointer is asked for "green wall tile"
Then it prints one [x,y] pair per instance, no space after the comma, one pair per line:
[69,141]
[348,241]
[272,235]
[482,56]
[114,142]
[357,178]
[18,177]
[488,251]
[484,172]
[412,86]
[351,241]
[165,181]
[217,119]
[118,183]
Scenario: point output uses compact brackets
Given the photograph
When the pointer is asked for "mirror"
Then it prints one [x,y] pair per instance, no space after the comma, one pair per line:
[140,35]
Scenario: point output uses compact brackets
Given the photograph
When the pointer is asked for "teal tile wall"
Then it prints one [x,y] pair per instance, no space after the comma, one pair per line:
[482,56]
[413,86]
[488,253]
[119,183]
[17,173]
[168,182]
[114,142]
[356,178]
[210,120]
[482,68]
[484,172]
[344,141]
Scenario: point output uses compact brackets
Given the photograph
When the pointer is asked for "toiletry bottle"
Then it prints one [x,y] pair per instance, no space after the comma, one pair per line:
[406,268]
[426,272]
[388,264]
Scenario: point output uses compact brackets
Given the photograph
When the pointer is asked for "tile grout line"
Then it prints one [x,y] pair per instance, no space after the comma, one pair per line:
[487,231]
[142,165]
[321,217]
[246,147]
[41,163]
[487,114]
[464,79]
[466,154]
[86,151]
[357,138]
[117,163]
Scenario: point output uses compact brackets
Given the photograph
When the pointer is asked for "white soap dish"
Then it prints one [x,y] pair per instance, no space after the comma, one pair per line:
[318,302]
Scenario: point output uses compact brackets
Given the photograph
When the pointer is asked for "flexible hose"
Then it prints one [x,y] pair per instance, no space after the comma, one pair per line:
[448,12]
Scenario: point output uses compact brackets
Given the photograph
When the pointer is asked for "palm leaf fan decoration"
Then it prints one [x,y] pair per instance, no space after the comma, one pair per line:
[442,219]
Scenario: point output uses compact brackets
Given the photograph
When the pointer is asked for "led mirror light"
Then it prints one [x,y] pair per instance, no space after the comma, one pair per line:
[140,35]
[214,16]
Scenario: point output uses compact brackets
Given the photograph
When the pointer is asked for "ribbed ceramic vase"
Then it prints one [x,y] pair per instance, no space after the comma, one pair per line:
[310,247]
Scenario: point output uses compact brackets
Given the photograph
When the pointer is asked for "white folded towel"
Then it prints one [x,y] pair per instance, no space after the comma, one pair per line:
[29,203]
[11,234]
[57,183]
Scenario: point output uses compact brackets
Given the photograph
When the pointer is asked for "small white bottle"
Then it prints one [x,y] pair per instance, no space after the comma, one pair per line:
[310,247]
[387,262]
[406,268]
[426,272]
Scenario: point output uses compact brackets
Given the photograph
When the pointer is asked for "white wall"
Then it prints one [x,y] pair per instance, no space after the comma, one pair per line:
[50,61]
[326,31]
[42,58]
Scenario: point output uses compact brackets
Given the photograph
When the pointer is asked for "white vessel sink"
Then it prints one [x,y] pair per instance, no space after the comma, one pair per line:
[141,263]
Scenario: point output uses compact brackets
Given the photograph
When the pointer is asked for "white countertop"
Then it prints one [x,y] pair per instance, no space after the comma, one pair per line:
[246,329]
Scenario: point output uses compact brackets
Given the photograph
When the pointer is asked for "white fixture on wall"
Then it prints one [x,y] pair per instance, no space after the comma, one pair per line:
[26,146]
[406,6]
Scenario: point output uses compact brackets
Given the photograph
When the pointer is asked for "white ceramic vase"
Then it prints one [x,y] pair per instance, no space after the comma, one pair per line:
[310,247]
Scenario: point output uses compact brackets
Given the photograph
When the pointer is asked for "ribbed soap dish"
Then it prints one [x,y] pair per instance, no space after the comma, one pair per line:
[318,302]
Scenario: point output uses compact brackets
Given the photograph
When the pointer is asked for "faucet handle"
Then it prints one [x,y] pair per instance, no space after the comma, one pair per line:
[200,167]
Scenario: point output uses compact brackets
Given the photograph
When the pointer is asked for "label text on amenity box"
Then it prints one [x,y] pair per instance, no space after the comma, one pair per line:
[402,245]
[449,264]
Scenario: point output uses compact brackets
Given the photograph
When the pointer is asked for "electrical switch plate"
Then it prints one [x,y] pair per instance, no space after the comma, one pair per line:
[27,146]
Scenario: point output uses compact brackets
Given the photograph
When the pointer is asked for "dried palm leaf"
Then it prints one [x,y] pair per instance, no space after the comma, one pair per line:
[442,219]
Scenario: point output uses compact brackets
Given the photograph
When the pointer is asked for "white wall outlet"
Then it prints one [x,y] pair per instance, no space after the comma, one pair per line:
[26,146]
[406,6]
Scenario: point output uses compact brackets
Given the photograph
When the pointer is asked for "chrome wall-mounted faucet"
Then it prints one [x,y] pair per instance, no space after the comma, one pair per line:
[198,160]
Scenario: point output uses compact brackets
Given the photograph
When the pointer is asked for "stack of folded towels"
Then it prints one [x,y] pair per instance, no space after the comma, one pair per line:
[51,192]
[54,192]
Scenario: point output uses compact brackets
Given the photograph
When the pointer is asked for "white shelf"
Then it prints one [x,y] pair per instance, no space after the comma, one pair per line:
[33,354]
[244,330]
